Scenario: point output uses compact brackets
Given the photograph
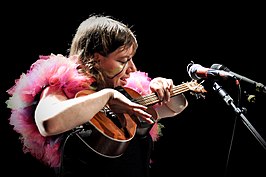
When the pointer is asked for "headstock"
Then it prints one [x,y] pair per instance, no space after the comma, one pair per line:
[196,88]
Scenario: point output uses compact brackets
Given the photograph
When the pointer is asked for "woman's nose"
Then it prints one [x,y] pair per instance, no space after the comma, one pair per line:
[132,66]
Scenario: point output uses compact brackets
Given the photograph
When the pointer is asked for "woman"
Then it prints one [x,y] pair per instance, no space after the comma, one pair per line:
[66,102]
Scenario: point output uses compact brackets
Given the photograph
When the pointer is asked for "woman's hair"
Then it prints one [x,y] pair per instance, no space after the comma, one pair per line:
[103,35]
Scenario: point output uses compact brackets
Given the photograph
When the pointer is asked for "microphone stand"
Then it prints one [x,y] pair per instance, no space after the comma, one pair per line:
[229,101]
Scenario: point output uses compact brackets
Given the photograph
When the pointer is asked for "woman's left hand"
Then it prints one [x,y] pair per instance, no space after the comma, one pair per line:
[162,87]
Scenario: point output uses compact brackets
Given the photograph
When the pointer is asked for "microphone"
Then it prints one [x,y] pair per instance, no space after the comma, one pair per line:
[196,71]
[259,86]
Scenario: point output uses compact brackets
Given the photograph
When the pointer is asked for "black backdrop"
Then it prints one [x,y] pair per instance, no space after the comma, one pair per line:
[196,142]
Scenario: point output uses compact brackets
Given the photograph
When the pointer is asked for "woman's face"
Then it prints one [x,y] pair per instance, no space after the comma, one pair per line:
[117,66]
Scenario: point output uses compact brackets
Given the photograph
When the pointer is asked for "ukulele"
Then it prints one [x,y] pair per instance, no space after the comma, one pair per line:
[108,133]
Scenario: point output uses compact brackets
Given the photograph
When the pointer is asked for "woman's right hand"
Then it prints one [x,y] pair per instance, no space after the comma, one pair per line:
[119,103]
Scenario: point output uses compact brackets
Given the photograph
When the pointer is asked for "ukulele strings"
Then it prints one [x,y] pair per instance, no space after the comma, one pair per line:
[152,98]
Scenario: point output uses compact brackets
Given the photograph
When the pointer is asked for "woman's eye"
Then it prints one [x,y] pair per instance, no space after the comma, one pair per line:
[123,62]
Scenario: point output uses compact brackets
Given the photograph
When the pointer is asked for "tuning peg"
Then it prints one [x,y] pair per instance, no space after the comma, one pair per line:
[198,95]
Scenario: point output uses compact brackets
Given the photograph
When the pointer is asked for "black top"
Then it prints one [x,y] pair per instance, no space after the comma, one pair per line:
[78,159]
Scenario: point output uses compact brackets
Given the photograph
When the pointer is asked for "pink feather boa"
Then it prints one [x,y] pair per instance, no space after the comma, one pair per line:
[140,82]
[61,72]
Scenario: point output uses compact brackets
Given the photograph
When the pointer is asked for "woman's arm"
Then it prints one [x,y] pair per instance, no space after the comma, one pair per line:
[172,108]
[55,113]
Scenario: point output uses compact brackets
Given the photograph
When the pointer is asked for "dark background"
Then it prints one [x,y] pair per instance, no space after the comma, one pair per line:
[170,35]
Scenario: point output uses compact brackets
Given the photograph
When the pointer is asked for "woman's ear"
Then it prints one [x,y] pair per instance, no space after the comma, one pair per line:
[97,57]
[97,60]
